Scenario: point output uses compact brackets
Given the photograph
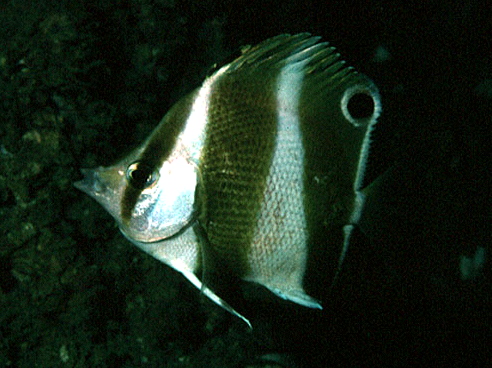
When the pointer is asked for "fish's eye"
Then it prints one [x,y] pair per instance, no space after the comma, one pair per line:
[140,175]
[360,105]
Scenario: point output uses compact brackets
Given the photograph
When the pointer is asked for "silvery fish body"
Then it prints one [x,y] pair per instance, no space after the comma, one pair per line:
[251,170]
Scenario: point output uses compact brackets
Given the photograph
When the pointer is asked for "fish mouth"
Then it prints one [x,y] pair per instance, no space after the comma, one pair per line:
[89,183]
[99,183]
[104,185]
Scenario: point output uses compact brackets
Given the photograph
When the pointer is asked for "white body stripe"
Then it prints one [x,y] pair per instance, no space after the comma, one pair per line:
[192,138]
[281,234]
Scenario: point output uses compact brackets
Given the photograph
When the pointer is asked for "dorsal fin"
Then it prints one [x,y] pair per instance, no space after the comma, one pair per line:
[280,50]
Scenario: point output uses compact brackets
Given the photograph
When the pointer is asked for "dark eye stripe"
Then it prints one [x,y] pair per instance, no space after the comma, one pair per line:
[158,149]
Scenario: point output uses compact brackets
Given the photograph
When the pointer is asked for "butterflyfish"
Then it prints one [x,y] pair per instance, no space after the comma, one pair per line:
[250,171]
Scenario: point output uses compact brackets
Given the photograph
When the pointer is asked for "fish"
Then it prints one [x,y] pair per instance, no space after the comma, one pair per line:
[251,171]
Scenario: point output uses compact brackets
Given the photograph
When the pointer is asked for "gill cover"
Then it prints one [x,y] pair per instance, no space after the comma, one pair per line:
[163,200]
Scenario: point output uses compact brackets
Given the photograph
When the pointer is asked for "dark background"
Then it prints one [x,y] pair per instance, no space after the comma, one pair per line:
[83,82]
